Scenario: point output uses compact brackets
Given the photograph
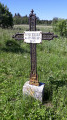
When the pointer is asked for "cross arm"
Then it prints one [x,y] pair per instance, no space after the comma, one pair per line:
[48,36]
[18,36]
[45,36]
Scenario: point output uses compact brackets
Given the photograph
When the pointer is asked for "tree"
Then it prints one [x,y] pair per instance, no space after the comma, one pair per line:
[61,27]
[55,20]
[18,19]
[6,19]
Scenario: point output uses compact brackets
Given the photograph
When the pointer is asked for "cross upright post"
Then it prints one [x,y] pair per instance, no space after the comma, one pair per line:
[33,74]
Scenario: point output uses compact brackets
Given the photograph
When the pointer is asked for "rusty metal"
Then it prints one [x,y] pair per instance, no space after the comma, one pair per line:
[33,74]
[18,36]
[48,36]
[45,36]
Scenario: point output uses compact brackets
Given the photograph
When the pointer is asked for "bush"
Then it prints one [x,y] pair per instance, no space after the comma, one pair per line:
[61,27]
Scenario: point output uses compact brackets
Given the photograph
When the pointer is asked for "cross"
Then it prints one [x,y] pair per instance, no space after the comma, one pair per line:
[45,36]
[32,11]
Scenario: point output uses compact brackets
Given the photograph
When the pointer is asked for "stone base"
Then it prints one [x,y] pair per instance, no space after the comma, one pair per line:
[36,92]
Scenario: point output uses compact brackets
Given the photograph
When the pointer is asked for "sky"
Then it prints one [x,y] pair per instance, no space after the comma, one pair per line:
[44,9]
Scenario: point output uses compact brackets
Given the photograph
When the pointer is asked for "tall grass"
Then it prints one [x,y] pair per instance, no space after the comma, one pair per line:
[15,71]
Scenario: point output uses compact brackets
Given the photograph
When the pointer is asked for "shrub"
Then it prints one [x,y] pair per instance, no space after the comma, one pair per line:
[61,27]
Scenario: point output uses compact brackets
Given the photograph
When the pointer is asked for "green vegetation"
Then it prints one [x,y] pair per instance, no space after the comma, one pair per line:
[60,26]
[6,19]
[15,71]
[18,19]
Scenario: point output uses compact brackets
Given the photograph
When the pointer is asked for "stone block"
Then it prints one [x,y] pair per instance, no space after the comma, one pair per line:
[36,92]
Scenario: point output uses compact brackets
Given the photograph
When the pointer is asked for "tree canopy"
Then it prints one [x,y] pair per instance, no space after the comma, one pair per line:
[6,19]
[18,19]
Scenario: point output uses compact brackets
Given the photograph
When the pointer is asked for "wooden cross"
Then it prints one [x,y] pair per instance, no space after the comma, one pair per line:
[45,36]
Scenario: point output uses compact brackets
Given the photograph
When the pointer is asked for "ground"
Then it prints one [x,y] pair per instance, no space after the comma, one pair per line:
[15,71]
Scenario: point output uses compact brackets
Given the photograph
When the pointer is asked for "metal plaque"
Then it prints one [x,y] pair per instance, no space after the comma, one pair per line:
[33,36]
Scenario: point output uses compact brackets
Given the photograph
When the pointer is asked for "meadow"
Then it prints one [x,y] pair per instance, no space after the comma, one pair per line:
[15,71]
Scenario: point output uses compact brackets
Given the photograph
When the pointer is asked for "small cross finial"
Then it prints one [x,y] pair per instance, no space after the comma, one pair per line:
[32,11]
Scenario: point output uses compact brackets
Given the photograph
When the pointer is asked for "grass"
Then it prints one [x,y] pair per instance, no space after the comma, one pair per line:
[15,71]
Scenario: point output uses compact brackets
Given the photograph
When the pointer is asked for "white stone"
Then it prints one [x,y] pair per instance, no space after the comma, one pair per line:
[35,91]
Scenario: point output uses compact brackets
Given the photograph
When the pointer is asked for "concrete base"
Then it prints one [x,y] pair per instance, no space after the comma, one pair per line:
[36,92]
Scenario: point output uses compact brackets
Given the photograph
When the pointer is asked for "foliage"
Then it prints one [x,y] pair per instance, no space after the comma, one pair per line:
[45,22]
[15,71]
[54,21]
[6,19]
[61,27]
[18,19]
